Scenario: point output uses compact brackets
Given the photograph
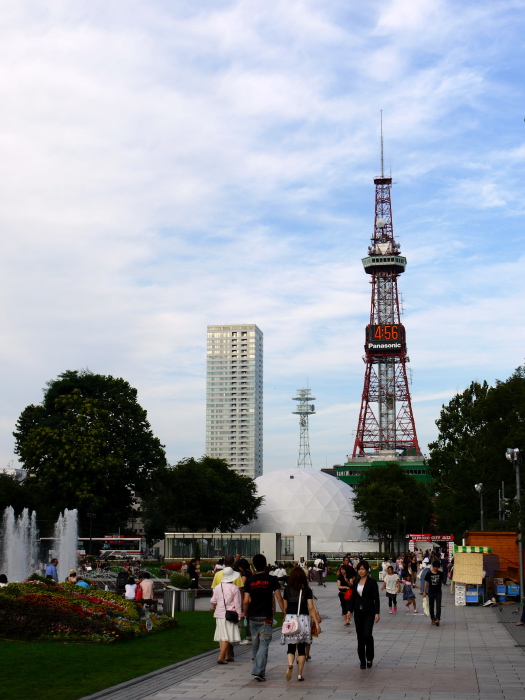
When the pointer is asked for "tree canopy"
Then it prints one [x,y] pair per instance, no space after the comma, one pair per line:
[88,445]
[391,503]
[475,429]
[195,495]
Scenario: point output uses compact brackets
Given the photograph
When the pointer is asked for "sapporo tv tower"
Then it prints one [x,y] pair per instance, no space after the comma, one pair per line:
[386,430]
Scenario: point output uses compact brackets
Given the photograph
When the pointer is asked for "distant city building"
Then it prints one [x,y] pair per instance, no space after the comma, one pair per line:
[234,397]
[18,474]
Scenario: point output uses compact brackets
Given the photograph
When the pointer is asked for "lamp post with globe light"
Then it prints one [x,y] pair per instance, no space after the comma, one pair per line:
[479,489]
[514,456]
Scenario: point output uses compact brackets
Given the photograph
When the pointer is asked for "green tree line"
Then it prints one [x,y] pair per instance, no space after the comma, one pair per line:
[89,445]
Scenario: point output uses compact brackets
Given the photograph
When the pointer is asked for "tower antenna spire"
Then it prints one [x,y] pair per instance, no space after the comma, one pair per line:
[382,159]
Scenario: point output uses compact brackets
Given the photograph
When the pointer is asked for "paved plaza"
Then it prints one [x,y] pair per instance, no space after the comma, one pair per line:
[475,653]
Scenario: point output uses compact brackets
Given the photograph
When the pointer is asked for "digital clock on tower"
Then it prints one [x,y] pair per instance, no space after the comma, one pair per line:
[385,332]
[385,337]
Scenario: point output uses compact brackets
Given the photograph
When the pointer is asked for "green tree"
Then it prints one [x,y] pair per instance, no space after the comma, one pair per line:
[198,495]
[391,503]
[12,494]
[475,429]
[88,446]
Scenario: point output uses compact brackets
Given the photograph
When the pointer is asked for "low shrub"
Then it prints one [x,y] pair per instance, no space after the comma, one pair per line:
[180,580]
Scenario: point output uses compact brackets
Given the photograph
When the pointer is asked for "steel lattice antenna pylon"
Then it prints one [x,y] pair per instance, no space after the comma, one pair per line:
[386,422]
[304,409]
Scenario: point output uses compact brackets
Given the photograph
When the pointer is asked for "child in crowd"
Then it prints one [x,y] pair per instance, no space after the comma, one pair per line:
[408,592]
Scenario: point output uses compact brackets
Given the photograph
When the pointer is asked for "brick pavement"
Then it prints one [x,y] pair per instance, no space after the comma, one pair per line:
[471,655]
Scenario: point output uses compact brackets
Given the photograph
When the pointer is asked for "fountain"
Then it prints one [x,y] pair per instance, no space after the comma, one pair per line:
[19,551]
[66,542]
[19,544]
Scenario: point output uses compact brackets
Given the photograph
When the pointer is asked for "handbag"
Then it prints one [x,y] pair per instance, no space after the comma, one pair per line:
[348,594]
[231,615]
[292,626]
[426,609]
[138,593]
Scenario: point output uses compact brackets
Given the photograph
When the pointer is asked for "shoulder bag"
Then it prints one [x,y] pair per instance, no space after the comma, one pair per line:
[231,615]
[291,626]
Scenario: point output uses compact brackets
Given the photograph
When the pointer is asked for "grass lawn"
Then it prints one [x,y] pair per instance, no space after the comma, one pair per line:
[62,671]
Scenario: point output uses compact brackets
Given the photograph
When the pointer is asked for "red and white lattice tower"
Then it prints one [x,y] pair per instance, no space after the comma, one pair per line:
[386,425]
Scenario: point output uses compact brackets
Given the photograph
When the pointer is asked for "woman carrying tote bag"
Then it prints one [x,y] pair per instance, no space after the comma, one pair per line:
[298,606]
[226,599]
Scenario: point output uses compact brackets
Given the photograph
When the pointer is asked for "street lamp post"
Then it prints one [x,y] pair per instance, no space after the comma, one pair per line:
[479,489]
[514,456]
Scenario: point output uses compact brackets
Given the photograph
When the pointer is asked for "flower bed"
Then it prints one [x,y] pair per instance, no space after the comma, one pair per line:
[35,610]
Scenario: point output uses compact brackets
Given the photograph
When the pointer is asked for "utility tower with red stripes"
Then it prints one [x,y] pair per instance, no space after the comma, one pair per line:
[386,425]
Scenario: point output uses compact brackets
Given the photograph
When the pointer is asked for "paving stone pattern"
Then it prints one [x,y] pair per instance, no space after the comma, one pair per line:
[470,656]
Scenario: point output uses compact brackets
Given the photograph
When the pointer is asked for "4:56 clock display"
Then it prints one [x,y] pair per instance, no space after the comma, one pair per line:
[385,337]
[385,332]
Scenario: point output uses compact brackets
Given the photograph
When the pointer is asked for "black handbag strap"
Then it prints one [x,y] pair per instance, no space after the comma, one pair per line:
[222,591]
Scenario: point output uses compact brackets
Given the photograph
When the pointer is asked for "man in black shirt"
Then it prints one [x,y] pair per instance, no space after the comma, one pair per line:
[433,583]
[258,607]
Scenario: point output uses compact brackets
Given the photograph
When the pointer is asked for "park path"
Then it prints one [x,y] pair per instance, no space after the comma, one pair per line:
[470,656]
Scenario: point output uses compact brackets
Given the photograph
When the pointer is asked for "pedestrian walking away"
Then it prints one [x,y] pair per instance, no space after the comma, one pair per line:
[392,587]
[245,572]
[298,606]
[226,599]
[364,604]
[433,585]
[260,592]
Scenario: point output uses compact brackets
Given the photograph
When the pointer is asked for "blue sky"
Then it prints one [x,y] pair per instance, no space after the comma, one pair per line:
[168,165]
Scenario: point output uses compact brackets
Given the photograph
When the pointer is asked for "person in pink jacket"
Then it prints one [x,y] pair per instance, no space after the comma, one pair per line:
[226,596]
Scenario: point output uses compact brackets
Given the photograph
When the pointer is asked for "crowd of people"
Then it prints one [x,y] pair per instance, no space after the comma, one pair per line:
[240,594]
[247,600]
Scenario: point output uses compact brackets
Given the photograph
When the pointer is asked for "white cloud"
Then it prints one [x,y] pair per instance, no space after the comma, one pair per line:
[167,166]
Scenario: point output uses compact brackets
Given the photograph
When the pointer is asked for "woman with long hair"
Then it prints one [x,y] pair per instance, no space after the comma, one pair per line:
[345,579]
[364,604]
[297,587]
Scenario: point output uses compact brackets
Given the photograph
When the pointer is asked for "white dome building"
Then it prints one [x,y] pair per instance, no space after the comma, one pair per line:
[307,502]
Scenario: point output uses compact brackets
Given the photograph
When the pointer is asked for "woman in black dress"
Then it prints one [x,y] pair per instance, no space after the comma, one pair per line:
[345,579]
[194,573]
[364,604]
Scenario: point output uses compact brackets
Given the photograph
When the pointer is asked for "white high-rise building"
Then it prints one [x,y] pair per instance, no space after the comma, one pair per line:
[234,397]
